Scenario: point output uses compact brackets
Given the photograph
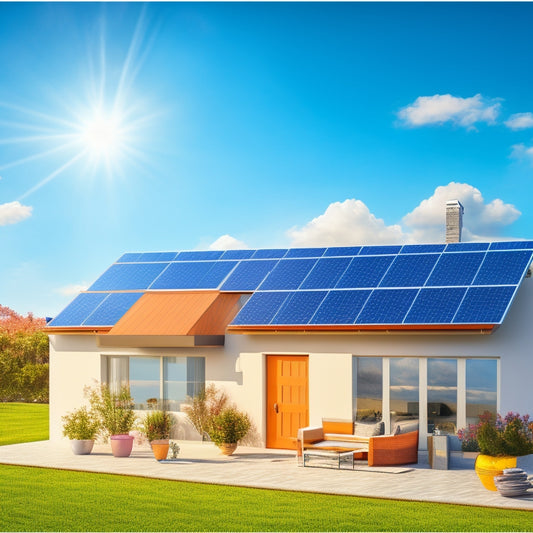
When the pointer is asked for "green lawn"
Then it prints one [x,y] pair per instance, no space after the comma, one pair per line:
[23,422]
[55,500]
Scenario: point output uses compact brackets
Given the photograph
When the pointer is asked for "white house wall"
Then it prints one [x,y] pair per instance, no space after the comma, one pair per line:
[239,366]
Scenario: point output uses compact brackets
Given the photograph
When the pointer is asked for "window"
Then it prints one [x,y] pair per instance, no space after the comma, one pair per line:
[368,392]
[442,395]
[403,392]
[481,388]
[167,380]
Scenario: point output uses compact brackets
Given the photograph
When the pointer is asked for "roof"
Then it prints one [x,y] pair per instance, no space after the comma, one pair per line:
[456,286]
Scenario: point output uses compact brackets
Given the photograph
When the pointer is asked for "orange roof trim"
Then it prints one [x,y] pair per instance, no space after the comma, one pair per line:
[179,313]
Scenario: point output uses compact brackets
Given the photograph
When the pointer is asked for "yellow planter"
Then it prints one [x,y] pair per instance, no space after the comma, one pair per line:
[487,467]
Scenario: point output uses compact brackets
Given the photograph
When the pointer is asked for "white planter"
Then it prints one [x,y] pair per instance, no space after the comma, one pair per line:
[81,447]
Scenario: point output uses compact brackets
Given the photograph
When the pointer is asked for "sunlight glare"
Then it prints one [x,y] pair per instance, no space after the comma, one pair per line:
[101,135]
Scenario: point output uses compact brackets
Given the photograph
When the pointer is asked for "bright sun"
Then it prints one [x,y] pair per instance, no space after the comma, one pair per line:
[102,135]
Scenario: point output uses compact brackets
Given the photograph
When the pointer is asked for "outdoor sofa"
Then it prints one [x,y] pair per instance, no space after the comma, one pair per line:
[366,441]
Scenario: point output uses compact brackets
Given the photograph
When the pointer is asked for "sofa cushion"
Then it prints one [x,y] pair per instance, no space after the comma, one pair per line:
[405,426]
[361,429]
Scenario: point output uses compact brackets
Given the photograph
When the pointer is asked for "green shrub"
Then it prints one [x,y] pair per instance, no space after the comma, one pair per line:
[230,426]
[204,407]
[80,424]
[157,425]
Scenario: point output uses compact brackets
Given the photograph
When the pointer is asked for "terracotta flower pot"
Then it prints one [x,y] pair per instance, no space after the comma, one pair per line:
[227,448]
[81,447]
[121,445]
[160,449]
[487,467]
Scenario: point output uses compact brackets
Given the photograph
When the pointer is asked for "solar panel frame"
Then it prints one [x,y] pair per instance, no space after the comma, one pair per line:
[380,250]
[342,251]
[511,245]
[79,309]
[237,254]
[129,257]
[304,252]
[422,248]
[112,309]
[128,276]
[199,255]
[270,253]
[503,267]
[485,305]
[467,247]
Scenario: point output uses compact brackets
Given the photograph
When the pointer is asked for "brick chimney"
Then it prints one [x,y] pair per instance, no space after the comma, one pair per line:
[454,220]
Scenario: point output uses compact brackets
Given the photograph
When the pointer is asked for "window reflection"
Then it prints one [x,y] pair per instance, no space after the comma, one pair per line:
[481,388]
[442,395]
[368,393]
[404,406]
[144,381]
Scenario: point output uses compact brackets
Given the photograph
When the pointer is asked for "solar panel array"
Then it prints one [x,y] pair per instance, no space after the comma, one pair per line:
[456,283]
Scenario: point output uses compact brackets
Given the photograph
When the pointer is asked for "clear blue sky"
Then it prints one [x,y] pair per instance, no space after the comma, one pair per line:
[140,127]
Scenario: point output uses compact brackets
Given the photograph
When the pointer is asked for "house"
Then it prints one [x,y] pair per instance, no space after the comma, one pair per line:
[429,334]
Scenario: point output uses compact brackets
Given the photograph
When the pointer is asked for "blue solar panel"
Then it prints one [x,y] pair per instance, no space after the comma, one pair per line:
[305,252]
[341,307]
[79,309]
[128,276]
[422,248]
[455,269]
[112,309]
[512,245]
[364,272]
[409,270]
[380,250]
[261,308]
[167,256]
[272,253]
[299,307]
[129,258]
[288,274]
[183,275]
[342,250]
[484,305]
[237,254]
[500,268]
[248,275]
[467,247]
[435,306]
[326,273]
[387,306]
[207,255]
[216,275]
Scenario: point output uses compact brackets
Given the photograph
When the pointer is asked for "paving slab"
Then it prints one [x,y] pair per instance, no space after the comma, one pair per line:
[270,469]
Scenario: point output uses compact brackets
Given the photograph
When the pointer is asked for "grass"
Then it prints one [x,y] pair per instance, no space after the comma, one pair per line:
[23,422]
[56,500]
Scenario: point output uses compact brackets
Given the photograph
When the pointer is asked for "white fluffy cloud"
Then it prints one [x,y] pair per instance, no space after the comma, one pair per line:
[481,220]
[227,242]
[521,151]
[441,108]
[520,121]
[72,290]
[14,212]
[344,224]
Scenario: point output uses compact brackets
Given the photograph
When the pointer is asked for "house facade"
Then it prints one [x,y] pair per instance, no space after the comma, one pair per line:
[415,335]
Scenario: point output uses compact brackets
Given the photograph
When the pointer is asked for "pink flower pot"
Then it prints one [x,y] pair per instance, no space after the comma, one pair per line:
[121,445]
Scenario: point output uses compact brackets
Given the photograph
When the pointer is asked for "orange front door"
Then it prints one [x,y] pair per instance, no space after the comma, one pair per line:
[287,399]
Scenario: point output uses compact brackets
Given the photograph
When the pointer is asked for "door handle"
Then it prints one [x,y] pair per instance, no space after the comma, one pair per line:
[276,408]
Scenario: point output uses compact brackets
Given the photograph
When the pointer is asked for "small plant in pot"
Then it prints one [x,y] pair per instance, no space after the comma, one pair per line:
[81,427]
[114,409]
[228,428]
[157,426]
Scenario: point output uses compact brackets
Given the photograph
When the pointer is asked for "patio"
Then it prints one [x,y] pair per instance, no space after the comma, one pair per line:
[271,469]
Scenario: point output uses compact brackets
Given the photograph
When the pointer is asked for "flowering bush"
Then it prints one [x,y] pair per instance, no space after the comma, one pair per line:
[511,435]
[157,425]
[468,438]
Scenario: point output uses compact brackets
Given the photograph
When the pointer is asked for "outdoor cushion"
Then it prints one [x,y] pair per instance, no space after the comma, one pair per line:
[368,430]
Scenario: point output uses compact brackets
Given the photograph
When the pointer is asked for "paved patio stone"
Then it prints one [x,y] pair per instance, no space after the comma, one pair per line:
[269,469]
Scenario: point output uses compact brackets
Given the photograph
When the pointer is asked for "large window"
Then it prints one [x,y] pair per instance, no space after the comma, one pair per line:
[404,388]
[442,395]
[165,381]
[481,388]
[368,392]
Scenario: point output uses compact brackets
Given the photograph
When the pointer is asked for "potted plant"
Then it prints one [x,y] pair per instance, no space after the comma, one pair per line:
[117,418]
[469,443]
[157,426]
[228,428]
[501,441]
[81,427]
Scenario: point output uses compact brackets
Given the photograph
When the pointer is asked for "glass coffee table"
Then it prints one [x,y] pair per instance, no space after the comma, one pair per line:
[331,458]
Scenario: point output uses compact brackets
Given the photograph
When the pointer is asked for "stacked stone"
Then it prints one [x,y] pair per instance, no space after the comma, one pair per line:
[514,482]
